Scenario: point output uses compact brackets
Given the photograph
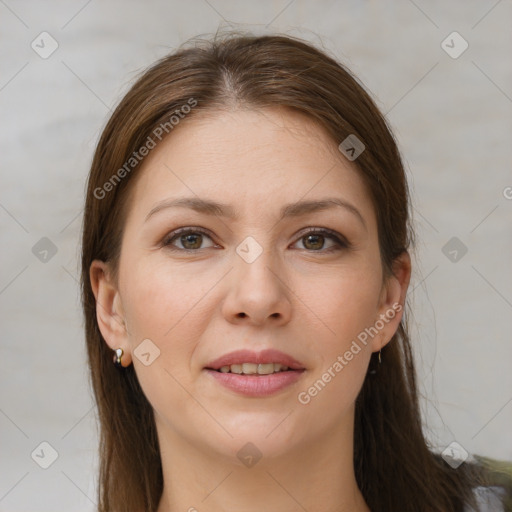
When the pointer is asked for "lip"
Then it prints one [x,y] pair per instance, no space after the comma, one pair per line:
[248,356]
[256,385]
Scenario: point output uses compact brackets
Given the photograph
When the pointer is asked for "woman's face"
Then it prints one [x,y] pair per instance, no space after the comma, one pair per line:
[249,278]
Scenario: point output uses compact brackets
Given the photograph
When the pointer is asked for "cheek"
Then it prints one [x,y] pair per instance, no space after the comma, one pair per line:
[341,304]
[347,308]
[165,306]
[340,307]
[161,296]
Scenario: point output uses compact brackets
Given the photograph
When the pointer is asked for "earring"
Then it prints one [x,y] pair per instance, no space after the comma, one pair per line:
[117,357]
[373,371]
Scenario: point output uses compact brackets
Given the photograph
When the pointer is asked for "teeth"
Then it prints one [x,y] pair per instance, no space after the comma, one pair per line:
[236,368]
[263,369]
[252,368]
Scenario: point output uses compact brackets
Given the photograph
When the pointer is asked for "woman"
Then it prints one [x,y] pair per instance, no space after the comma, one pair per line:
[245,261]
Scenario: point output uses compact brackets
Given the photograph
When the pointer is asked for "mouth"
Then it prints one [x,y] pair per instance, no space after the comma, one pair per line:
[255,374]
[254,369]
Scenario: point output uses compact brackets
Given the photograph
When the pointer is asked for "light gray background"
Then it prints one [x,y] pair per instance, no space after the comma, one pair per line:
[452,118]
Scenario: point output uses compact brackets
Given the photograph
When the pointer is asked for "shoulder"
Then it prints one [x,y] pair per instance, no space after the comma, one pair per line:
[489,499]
[495,490]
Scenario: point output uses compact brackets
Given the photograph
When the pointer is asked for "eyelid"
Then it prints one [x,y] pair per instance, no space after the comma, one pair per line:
[340,241]
[326,231]
[166,242]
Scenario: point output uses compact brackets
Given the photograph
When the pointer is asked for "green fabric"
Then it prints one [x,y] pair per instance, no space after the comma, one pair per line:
[499,473]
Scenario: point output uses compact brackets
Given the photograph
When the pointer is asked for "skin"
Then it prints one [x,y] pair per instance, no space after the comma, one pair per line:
[296,297]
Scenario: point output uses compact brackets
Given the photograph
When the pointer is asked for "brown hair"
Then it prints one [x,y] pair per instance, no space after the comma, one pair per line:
[394,467]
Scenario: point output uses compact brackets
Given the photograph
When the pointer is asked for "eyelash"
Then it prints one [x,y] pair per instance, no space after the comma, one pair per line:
[341,242]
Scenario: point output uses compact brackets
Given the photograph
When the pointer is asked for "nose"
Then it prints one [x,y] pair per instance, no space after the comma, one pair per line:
[258,292]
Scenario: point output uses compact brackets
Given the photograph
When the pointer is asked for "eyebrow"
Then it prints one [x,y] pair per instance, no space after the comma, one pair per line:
[297,209]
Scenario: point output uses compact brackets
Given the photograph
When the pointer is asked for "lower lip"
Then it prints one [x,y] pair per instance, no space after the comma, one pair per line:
[257,385]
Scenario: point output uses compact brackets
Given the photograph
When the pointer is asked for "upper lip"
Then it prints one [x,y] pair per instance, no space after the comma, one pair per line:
[248,356]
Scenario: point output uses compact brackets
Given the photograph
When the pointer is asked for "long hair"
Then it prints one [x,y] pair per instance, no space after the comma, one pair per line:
[394,466]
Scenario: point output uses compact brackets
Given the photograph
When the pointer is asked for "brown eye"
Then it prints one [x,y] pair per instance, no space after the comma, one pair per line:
[190,240]
[314,241]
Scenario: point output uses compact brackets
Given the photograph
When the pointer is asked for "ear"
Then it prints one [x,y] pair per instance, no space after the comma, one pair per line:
[392,300]
[109,309]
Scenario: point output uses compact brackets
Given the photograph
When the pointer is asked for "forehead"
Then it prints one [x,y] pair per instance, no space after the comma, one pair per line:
[255,160]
